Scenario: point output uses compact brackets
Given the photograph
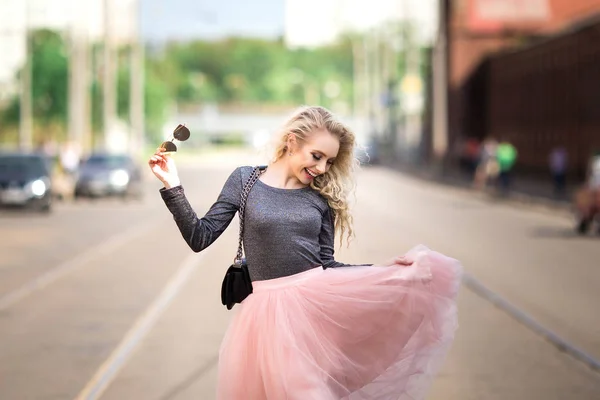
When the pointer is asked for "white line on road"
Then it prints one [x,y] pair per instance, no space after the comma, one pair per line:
[494,298]
[515,312]
[82,259]
[113,364]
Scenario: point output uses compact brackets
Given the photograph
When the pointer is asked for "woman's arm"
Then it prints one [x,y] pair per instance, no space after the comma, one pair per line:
[199,233]
[327,242]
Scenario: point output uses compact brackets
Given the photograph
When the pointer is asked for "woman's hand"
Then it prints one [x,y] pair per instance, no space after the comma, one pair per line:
[399,261]
[163,167]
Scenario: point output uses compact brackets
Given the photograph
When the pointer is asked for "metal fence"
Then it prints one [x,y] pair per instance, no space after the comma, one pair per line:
[541,96]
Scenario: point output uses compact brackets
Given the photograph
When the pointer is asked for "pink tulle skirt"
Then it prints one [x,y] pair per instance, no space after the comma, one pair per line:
[377,333]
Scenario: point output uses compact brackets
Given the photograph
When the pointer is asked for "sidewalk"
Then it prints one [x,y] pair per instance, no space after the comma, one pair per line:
[525,191]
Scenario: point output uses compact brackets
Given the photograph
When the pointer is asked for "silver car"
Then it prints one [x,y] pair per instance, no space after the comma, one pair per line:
[106,174]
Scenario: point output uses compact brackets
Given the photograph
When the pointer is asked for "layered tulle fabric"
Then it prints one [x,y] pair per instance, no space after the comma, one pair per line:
[355,333]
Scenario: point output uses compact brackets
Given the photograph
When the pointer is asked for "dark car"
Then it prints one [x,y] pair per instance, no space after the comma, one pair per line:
[25,181]
[105,174]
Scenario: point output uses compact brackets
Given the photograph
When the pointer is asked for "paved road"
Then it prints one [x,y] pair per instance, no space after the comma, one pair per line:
[104,298]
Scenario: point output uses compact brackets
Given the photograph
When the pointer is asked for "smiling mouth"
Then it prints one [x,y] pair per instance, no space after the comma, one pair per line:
[311,173]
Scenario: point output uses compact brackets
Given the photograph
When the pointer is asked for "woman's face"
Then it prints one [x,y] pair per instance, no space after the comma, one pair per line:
[313,157]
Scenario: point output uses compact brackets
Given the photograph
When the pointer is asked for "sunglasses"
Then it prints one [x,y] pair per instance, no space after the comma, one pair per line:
[181,133]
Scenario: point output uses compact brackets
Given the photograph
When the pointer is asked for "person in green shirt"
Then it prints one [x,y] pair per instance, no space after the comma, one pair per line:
[507,156]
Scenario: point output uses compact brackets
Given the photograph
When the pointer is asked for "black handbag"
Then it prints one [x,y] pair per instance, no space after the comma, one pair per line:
[237,285]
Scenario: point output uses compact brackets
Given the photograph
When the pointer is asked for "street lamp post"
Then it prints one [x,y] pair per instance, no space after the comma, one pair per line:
[109,81]
[440,86]
[25,103]
[79,102]
[137,78]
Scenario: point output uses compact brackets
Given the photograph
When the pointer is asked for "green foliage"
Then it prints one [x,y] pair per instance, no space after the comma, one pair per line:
[157,99]
[49,77]
[49,80]
[241,70]
[255,70]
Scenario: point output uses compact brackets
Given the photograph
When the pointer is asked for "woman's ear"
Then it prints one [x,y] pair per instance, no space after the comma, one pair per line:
[291,142]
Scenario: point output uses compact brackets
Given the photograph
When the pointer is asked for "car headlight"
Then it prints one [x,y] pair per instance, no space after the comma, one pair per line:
[37,187]
[119,177]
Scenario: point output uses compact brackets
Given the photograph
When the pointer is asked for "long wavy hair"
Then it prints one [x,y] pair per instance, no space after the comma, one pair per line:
[338,183]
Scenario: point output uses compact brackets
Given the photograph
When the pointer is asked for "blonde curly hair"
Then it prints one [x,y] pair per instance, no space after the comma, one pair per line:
[338,183]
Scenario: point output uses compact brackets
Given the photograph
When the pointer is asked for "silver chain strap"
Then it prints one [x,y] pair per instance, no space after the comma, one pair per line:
[244,197]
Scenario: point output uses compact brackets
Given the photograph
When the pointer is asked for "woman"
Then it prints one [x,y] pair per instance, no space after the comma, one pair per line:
[587,198]
[315,328]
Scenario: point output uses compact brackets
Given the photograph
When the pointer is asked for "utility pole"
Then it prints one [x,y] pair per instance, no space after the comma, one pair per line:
[405,46]
[137,78]
[376,80]
[411,86]
[79,102]
[109,82]
[372,79]
[392,88]
[359,92]
[25,102]
[440,86]
[368,95]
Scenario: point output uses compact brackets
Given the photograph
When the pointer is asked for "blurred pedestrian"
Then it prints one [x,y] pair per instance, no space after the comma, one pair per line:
[487,169]
[558,169]
[587,198]
[506,156]
[313,327]
[70,158]
[593,175]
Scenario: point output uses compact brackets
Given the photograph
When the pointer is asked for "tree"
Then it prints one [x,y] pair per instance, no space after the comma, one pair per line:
[255,70]
[49,72]
[50,76]
[242,70]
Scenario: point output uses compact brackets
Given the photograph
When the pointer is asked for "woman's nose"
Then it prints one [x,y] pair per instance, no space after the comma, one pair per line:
[321,167]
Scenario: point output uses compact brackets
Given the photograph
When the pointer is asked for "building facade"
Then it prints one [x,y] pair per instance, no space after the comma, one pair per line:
[512,62]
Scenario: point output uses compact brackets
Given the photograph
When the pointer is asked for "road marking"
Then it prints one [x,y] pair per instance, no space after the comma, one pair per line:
[51,276]
[142,326]
[485,293]
[197,374]
[518,314]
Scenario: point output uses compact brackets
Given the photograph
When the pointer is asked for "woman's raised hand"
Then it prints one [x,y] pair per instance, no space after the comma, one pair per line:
[163,167]
[397,261]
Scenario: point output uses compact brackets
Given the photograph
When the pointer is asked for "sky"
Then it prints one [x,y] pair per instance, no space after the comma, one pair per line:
[308,23]
[184,19]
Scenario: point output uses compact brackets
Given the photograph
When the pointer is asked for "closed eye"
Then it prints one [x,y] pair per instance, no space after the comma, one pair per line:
[317,157]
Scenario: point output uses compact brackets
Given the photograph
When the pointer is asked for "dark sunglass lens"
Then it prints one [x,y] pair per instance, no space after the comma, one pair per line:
[181,133]
[168,147]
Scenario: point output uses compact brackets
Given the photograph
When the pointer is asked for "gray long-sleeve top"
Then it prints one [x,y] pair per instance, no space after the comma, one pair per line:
[286,231]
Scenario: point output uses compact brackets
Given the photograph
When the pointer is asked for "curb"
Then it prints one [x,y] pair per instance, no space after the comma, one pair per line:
[515,197]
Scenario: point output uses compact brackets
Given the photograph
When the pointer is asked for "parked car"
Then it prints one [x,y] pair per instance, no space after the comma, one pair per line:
[25,181]
[106,174]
